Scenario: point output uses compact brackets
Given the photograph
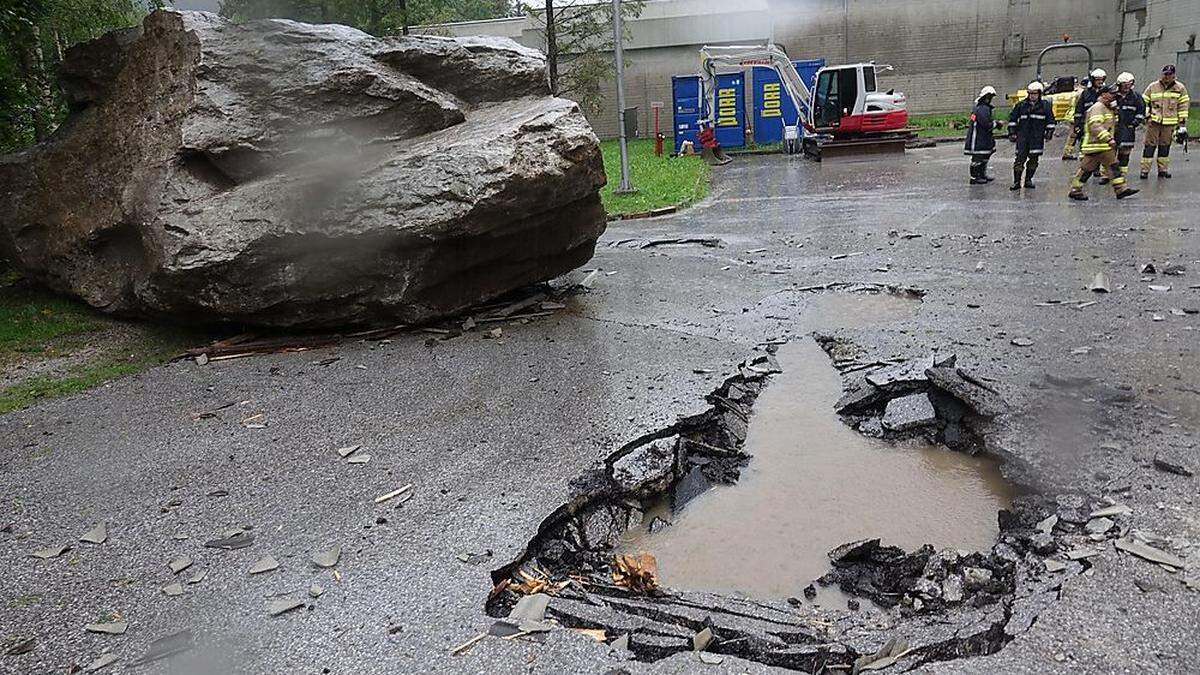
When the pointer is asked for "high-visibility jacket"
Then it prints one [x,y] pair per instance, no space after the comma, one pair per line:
[1167,105]
[980,140]
[1131,112]
[1085,100]
[1098,128]
[1029,124]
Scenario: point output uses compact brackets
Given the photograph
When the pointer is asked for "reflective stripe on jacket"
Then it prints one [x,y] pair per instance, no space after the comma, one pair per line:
[1167,106]
[980,140]
[1085,100]
[1029,123]
[1098,128]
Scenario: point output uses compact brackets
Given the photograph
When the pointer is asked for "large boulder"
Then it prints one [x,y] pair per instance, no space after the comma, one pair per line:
[283,174]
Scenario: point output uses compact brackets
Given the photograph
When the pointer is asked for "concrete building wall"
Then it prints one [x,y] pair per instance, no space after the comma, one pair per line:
[943,50]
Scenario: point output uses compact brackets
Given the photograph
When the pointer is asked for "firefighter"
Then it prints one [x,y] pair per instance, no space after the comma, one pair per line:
[980,142]
[1099,148]
[1083,101]
[1166,113]
[1131,113]
[1030,124]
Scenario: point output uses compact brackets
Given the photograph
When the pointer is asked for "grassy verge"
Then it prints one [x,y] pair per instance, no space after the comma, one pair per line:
[69,347]
[660,181]
[948,125]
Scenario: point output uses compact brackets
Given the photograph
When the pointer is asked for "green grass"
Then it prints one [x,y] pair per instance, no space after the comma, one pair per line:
[36,325]
[660,181]
[946,125]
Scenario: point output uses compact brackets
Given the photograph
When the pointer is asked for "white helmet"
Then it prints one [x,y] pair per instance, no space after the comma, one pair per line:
[1124,78]
[1099,73]
[1035,86]
[988,90]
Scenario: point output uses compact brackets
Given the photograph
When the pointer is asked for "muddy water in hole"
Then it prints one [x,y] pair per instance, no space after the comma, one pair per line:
[815,483]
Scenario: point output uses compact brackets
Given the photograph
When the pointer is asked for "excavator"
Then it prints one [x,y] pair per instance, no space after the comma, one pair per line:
[844,114]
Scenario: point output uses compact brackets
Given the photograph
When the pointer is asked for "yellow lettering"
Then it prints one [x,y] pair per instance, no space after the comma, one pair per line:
[726,107]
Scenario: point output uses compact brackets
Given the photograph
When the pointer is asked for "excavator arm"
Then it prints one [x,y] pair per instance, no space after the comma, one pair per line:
[769,56]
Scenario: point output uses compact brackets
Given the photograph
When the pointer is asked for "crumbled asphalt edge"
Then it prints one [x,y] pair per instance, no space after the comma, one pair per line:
[1009,585]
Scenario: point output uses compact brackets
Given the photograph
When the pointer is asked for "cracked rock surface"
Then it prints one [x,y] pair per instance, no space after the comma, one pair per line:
[277,173]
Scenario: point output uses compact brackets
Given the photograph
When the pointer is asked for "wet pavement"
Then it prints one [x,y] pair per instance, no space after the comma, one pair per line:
[490,432]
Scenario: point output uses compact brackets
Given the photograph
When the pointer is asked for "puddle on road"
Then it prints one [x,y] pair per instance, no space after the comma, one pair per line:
[815,483]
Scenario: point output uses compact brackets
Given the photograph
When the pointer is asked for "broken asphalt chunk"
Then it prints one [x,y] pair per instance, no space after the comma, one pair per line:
[240,540]
[179,564]
[110,628]
[198,576]
[348,450]
[50,552]
[1110,511]
[1147,552]
[852,551]
[983,400]
[702,639]
[96,535]
[909,412]
[264,564]
[329,558]
[277,607]
[1055,565]
[173,590]
[167,646]
[910,372]
[359,458]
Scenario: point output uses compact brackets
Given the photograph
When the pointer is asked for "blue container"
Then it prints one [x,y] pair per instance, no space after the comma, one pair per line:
[772,106]
[685,94]
[730,111]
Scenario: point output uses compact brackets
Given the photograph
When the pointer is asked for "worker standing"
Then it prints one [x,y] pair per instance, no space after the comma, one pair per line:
[1030,124]
[1099,148]
[1085,100]
[1131,113]
[1167,113]
[981,143]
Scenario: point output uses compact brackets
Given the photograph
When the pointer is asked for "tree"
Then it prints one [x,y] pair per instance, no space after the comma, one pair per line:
[377,17]
[578,35]
[33,36]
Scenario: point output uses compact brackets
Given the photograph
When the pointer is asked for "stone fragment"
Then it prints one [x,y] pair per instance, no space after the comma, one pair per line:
[102,661]
[174,589]
[264,564]
[109,628]
[976,577]
[96,535]
[277,607]
[1147,552]
[1098,526]
[50,552]
[852,551]
[179,564]
[909,412]
[364,179]
[952,588]
[327,558]
[967,389]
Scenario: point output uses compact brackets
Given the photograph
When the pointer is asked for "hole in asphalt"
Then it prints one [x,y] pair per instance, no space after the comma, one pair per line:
[812,484]
[815,500]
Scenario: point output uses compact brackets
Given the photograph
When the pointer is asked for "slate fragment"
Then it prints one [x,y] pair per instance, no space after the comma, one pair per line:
[50,552]
[264,564]
[108,628]
[240,540]
[327,559]
[96,535]
[283,605]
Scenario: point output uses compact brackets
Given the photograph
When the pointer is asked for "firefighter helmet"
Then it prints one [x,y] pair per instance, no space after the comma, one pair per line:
[1125,78]
[1098,74]
[988,90]
[1035,86]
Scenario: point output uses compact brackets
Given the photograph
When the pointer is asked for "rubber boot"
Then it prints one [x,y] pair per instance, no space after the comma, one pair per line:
[1016,179]
[1029,171]
[1127,192]
[1078,195]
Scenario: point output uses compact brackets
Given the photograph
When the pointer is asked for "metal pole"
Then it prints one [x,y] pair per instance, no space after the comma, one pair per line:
[620,58]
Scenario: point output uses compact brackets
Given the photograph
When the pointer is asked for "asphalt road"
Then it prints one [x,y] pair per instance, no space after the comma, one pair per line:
[489,432]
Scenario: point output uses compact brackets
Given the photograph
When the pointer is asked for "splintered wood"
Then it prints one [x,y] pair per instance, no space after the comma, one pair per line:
[638,572]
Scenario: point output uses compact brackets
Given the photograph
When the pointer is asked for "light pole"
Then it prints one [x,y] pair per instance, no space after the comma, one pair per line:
[625,186]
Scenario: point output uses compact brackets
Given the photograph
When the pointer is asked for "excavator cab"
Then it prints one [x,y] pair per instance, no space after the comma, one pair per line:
[847,101]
